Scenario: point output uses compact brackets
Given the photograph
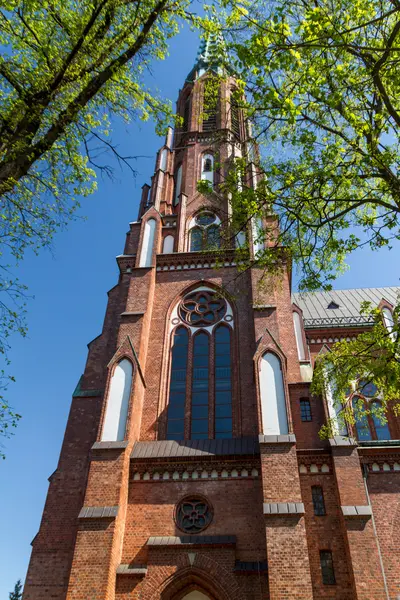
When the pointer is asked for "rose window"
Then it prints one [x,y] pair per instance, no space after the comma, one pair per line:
[202,308]
[193,514]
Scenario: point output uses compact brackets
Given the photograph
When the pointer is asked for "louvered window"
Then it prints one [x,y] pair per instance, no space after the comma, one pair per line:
[235,115]
[209,108]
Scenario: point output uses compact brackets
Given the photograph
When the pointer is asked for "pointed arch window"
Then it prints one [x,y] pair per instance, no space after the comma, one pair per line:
[204,233]
[163,159]
[370,420]
[118,402]
[272,392]
[201,379]
[207,168]
[146,254]
[388,321]
[298,331]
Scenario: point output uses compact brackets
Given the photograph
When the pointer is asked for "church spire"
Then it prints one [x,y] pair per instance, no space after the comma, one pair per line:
[211,56]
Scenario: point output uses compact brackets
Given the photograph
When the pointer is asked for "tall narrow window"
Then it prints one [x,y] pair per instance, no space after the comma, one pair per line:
[235,118]
[381,428]
[178,185]
[223,383]
[168,244]
[163,159]
[146,254]
[213,238]
[257,229]
[207,168]
[200,386]
[361,422]
[273,404]
[298,331]
[305,410]
[328,573]
[196,239]
[177,387]
[318,500]
[388,321]
[210,104]
[118,402]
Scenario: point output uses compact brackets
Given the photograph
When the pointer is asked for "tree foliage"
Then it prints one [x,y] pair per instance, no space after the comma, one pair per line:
[323,85]
[319,85]
[373,357]
[67,68]
[17,593]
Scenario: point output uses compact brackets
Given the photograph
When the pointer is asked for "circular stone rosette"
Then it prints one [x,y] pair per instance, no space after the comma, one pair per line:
[193,514]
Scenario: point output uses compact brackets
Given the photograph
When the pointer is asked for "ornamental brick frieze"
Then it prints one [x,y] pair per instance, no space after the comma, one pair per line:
[382,464]
[194,472]
[223,135]
[195,260]
[314,464]
[126,263]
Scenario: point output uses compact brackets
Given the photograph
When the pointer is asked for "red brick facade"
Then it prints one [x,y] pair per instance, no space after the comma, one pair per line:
[109,529]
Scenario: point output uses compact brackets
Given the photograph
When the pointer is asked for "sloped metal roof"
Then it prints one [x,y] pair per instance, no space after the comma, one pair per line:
[317,314]
[168,449]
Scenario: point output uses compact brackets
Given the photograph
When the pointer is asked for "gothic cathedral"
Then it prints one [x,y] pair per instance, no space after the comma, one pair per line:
[191,467]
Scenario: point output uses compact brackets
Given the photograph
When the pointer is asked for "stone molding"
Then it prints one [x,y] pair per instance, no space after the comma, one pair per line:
[98,512]
[161,475]
[179,261]
[137,570]
[341,440]
[314,468]
[277,439]
[110,445]
[192,540]
[364,512]
[283,509]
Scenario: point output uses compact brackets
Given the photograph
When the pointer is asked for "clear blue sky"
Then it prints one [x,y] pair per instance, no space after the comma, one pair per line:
[69,288]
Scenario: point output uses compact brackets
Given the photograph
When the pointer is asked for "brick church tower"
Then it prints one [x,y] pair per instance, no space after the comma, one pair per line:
[191,466]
